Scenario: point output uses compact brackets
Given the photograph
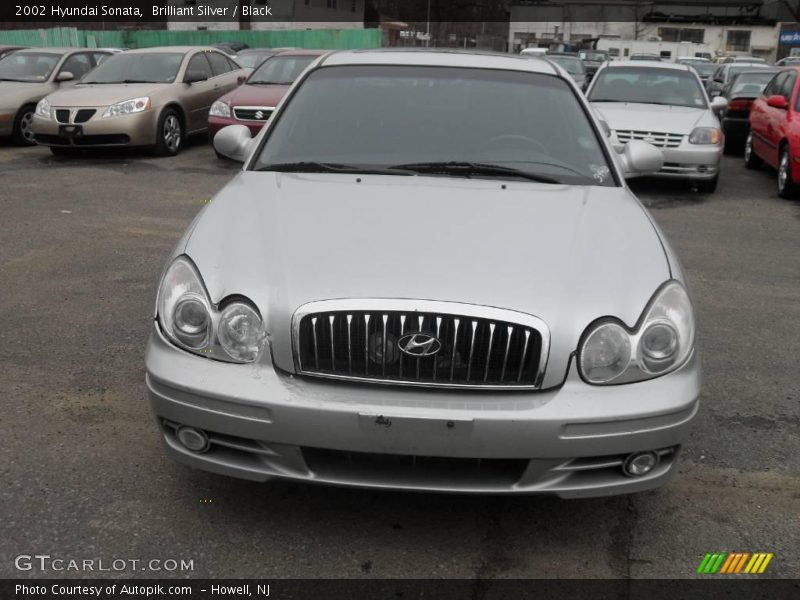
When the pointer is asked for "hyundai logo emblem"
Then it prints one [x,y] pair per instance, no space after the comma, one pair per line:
[419,344]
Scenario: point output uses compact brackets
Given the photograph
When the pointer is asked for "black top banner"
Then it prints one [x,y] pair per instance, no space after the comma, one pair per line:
[48,13]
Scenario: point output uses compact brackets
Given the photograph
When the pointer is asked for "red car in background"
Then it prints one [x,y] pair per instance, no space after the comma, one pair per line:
[774,136]
[252,104]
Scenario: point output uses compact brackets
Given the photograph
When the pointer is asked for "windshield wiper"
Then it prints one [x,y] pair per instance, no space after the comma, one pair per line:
[466,169]
[328,167]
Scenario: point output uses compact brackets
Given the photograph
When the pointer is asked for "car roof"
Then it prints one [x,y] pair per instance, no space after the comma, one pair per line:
[301,52]
[655,64]
[53,50]
[176,49]
[441,58]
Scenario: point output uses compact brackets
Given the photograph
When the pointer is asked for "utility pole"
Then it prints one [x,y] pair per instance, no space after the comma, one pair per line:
[428,31]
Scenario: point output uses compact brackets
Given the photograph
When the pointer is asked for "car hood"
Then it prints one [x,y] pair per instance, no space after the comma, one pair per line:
[14,94]
[104,94]
[256,95]
[566,254]
[646,117]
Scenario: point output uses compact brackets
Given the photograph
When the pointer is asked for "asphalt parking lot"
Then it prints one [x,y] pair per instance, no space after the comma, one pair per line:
[82,243]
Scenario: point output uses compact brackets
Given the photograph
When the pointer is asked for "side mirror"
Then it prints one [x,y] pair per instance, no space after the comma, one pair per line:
[241,79]
[720,103]
[235,142]
[604,126]
[194,77]
[777,101]
[64,76]
[640,158]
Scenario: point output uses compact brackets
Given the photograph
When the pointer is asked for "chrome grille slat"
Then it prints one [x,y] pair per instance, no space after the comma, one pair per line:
[657,138]
[499,349]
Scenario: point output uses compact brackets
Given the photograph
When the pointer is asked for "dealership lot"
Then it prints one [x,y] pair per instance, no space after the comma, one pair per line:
[82,242]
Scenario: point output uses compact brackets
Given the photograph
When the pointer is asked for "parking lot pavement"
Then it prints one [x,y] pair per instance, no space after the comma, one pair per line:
[82,242]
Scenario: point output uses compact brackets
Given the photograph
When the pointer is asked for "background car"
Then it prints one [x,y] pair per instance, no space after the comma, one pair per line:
[592,59]
[27,76]
[704,70]
[572,65]
[253,57]
[726,71]
[252,103]
[149,97]
[740,92]
[788,61]
[231,48]
[664,104]
[650,57]
[533,51]
[774,136]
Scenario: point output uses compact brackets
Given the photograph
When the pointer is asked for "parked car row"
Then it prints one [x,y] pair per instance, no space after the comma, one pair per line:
[75,98]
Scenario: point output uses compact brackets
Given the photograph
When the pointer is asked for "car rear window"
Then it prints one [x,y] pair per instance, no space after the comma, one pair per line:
[393,115]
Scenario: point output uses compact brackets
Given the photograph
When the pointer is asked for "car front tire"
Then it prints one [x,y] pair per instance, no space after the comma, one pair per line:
[170,133]
[751,161]
[787,188]
[22,134]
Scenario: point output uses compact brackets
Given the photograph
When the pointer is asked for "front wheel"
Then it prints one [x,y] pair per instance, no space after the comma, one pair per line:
[169,134]
[708,186]
[751,161]
[787,188]
[22,134]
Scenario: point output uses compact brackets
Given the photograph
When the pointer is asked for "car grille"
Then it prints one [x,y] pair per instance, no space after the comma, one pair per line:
[81,116]
[253,113]
[660,140]
[474,347]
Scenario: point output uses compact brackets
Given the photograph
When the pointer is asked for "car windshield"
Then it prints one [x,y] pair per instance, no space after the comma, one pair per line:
[648,85]
[592,56]
[734,69]
[751,84]
[704,69]
[28,66]
[571,64]
[152,67]
[280,69]
[251,60]
[437,120]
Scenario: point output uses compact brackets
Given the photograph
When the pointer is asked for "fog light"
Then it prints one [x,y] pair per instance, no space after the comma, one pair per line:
[640,463]
[193,439]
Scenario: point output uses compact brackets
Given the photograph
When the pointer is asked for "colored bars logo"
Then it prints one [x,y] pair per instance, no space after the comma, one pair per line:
[734,563]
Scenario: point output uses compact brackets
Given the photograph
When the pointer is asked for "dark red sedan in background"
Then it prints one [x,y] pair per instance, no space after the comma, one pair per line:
[252,104]
[774,136]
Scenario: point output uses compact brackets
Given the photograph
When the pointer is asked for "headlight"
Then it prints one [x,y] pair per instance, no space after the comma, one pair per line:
[192,322]
[220,109]
[662,342]
[705,135]
[128,107]
[43,109]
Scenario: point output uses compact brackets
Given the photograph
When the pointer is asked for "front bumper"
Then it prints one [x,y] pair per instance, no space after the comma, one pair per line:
[137,129]
[688,161]
[568,441]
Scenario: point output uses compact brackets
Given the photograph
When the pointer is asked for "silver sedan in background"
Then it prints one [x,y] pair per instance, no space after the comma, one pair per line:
[663,104]
[390,299]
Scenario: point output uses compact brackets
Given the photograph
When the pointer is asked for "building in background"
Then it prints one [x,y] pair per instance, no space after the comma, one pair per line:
[727,26]
[286,14]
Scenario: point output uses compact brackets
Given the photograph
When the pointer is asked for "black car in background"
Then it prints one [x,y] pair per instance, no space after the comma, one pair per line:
[704,70]
[592,59]
[743,88]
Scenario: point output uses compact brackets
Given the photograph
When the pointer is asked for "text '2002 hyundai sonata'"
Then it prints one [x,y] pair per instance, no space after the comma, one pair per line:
[429,275]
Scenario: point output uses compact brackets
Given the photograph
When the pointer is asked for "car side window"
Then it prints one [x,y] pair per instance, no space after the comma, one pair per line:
[78,64]
[775,85]
[219,63]
[787,86]
[234,66]
[100,57]
[200,64]
[718,74]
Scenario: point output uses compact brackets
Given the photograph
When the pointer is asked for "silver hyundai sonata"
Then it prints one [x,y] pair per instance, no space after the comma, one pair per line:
[429,275]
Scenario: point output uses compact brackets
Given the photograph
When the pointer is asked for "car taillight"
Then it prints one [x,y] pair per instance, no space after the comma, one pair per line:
[739,104]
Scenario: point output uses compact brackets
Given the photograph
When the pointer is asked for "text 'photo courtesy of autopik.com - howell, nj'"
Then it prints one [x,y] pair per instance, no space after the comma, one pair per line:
[414,299]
